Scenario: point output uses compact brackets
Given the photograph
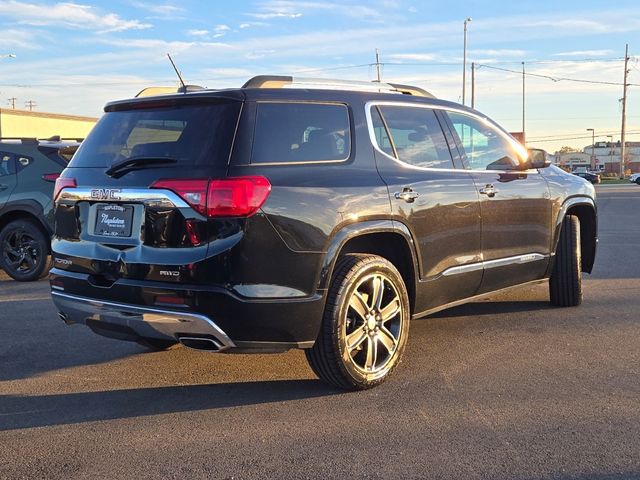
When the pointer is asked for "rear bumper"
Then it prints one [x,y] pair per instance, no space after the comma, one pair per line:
[232,320]
[130,321]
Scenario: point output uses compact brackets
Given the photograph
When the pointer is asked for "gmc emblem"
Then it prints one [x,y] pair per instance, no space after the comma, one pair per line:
[105,194]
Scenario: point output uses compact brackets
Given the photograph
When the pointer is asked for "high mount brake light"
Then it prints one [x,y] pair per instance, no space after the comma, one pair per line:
[61,184]
[231,197]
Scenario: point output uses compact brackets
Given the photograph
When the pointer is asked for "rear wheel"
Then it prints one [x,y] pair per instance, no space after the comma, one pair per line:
[24,250]
[638,181]
[565,284]
[365,326]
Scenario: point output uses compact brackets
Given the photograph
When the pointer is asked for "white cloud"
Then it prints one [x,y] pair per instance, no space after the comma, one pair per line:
[161,10]
[198,33]
[70,15]
[293,9]
[22,39]
[499,53]
[415,57]
[585,53]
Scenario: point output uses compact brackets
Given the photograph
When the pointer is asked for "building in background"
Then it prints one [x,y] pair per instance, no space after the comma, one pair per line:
[573,160]
[608,156]
[29,124]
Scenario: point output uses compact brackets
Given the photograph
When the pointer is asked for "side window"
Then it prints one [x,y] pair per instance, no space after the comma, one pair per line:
[417,136]
[485,147]
[301,132]
[380,131]
[7,164]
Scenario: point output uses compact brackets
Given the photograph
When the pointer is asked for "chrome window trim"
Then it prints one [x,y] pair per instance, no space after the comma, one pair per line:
[374,142]
[306,162]
[147,196]
[499,262]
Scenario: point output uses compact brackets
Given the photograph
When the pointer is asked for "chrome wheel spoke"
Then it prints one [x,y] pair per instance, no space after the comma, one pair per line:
[355,339]
[388,340]
[372,353]
[391,310]
[359,305]
[377,293]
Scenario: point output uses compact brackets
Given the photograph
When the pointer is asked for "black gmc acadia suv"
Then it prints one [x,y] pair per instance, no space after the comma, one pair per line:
[272,217]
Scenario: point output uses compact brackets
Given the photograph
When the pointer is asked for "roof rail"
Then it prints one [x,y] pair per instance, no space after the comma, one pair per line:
[283,81]
[23,140]
[36,141]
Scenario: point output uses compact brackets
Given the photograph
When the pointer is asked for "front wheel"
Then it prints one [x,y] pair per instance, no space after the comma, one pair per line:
[24,251]
[365,325]
[638,181]
[565,284]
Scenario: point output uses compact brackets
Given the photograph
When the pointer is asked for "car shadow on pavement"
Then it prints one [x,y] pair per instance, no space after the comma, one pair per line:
[19,412]
[493,308]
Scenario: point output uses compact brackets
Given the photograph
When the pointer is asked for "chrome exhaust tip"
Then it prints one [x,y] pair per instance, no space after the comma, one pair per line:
[201,343]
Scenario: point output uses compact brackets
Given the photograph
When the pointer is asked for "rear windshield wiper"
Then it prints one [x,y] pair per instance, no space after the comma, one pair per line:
[132,163]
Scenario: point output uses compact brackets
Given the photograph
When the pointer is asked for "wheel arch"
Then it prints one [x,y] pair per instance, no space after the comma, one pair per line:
[25,211]
[586,211]
[388,239]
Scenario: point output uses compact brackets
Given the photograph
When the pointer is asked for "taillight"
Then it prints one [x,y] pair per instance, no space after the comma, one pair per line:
[50,177]
[194,192]
[231,197]
[61,184]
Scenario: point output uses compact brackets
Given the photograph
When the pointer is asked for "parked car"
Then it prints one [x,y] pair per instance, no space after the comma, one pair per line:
[265,218]
[635,178]
[28,170]
[592,177]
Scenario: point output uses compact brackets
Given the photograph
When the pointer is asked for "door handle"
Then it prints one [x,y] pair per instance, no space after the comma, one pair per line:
[3,187]
[407,194]
[489,190]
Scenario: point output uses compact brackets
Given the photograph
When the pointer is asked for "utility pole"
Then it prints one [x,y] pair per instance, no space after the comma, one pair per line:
[623,149]
[30,104]
[464,61]
[610,137]
[593,147]
[473,84]
[377,64]
[524,136]
[12,101]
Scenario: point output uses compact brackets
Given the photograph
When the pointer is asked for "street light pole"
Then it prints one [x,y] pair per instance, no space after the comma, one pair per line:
[524,136]
[464,61]
[593,146]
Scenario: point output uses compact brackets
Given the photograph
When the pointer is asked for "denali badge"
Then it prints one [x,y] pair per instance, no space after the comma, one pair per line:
[105,194]
[63,261]
[169,273]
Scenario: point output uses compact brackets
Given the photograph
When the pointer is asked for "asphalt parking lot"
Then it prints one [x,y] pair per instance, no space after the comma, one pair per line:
[505,388]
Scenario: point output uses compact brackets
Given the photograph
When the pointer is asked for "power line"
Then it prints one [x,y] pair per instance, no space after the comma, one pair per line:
[558,79]
[573,135]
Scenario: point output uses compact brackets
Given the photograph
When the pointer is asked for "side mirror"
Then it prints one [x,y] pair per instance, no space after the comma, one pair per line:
[538,158]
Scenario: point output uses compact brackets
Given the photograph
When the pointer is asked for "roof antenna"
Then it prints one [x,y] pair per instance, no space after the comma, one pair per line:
[183,88]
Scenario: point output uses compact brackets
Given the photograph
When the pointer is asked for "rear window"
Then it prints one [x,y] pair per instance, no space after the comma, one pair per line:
[61,155]
[301,132]
[191,134]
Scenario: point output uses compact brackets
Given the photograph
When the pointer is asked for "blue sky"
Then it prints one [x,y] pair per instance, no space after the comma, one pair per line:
[74,57]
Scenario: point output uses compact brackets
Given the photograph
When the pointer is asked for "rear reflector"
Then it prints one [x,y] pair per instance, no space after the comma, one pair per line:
[61,184]
[231,197]
[50,177]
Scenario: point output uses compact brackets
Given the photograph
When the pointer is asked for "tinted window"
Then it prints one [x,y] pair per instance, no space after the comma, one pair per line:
[380,131]
[300,132]
[417,136]
[191,134]
[485,147]
[7,164]
[62,156]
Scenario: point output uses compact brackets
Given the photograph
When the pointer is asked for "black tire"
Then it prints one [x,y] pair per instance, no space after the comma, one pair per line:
[155,344]
[565,284]
[24,250]
[638,181]
[351,313]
